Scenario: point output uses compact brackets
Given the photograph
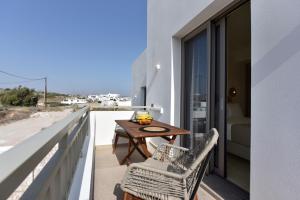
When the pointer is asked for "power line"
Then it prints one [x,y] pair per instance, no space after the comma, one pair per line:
[21,77]
[29,79]
[18,82]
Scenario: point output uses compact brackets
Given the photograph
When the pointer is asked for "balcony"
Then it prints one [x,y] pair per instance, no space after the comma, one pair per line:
[73,159]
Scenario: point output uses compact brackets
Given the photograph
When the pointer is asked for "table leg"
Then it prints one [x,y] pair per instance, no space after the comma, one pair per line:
[173,138]
[127,156]
[143,144]
[144,152]
[129,146]
[136,146]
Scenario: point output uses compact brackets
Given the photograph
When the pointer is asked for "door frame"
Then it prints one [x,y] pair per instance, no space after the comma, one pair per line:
[219,165]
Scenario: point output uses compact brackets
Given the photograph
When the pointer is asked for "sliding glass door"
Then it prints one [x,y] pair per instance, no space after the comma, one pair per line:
[215,75]
[195,90]
[204,83]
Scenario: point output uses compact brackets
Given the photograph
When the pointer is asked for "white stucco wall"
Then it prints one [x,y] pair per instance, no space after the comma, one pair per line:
[275,151]
[139,68]
[104,125]
[275,137]
[275,140]
[167,22]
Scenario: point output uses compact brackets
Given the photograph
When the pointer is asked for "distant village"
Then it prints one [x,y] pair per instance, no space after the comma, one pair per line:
[102,99]
[30,97]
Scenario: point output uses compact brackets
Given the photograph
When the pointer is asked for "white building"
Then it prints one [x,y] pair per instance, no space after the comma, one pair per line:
[70,101]
[110,99]
[110,96]
[224,64]
[93,98]
[124,101]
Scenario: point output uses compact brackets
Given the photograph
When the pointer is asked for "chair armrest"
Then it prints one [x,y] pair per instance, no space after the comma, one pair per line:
[169,152]
[149,183]
[148,169]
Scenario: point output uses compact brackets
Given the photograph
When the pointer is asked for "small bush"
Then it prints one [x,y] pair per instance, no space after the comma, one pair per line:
[20,96]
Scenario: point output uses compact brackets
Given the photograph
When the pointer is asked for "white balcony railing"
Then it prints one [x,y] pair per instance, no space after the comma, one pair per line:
[55,177]
[57,163]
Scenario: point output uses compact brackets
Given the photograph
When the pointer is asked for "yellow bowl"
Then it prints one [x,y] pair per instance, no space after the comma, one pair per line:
[145,121]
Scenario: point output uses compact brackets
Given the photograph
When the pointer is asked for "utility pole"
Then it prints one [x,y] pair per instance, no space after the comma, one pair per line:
[45,93]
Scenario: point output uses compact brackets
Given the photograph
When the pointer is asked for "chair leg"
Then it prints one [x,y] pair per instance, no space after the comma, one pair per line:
[128,196]
[125,196]
[115,143]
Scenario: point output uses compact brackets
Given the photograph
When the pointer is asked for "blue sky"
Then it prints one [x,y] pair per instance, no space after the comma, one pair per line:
[81,46]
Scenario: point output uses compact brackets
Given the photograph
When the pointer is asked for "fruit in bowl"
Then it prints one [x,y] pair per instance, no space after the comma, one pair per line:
[145,121]
[144,118]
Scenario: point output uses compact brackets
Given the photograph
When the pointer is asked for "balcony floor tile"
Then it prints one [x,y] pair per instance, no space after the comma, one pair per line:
[109,174]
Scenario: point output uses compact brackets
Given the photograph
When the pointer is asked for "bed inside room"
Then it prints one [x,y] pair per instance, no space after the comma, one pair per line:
[238,117]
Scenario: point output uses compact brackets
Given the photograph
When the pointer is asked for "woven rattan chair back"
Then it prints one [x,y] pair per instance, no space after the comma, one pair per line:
[201,156]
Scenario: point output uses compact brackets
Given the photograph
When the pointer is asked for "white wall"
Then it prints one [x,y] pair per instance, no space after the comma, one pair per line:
[275,140]
[104,124]
[138,79]
[167,22]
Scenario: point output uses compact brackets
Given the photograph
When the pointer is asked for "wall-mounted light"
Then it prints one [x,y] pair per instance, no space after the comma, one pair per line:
[232,92]
[157,108]
[157,67]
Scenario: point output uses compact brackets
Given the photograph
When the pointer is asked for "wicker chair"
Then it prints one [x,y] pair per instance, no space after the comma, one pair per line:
[172,173]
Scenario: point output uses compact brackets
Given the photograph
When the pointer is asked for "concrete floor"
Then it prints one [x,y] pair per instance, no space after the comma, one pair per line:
[109,173]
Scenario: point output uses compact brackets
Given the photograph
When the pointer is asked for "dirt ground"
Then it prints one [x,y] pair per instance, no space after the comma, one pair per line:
[15,132]
[8,115]
[11,114]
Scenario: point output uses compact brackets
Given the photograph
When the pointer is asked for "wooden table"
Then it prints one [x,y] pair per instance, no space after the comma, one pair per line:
[134,133]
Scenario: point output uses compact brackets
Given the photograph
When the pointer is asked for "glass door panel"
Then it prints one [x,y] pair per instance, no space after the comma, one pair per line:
[196,87]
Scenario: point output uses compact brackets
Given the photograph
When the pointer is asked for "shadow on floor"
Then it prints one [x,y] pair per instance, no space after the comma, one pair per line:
[118,192]
[223,189]
[122,151]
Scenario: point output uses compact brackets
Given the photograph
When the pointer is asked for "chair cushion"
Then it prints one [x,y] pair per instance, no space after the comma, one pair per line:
[121,131]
